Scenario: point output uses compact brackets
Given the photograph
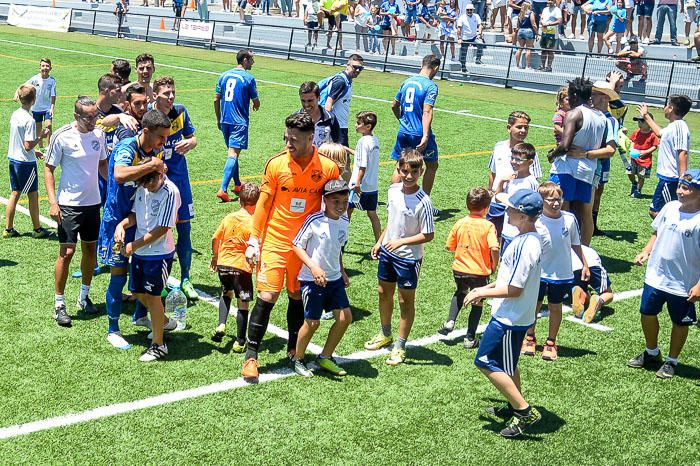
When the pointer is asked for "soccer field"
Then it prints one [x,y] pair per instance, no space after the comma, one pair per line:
[69,397]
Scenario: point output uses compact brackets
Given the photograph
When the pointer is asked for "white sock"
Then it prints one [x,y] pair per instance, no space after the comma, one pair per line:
[673,361]
[653,352]
[84,291]
[59,300]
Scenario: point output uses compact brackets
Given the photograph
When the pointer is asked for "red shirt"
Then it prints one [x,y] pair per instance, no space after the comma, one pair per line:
[643,141]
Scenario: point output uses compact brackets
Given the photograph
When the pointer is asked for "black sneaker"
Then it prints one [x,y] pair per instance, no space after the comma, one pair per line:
[61,316]
[446,328]
[667,371]
[504,411]
[11,233]
[87,306]
[644,359]
[518,424]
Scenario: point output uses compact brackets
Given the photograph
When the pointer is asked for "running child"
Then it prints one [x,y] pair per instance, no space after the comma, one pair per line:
[473,240]
[228,259]
[521,161]
[154,214]
[323,279]
[23,172]
[672,276]
[364,180]
[599,282]
[560,234]
[45,102]
[644,144]
[514,296]
[400,253]
[674,147]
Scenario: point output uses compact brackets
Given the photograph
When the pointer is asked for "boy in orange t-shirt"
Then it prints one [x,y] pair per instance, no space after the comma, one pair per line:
[228,247]
[474,242]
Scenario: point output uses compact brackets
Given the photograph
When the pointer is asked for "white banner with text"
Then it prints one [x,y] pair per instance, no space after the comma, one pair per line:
[35,17]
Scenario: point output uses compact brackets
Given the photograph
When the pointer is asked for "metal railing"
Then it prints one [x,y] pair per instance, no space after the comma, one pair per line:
[499,62]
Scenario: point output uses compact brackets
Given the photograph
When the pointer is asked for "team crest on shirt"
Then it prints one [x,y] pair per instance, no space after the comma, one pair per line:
[95,145]
[316,175]
[155,207]
[564,231]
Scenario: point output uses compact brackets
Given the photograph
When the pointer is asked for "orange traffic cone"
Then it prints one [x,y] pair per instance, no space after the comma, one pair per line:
[162,24]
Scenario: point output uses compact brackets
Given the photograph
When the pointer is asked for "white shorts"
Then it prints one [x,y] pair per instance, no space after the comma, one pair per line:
[498,3]
[629,4]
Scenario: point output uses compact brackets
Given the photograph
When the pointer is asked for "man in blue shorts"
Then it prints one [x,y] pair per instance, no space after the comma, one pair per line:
[123,171]
[336,94]
[413,107]
[237,87]
[179,143]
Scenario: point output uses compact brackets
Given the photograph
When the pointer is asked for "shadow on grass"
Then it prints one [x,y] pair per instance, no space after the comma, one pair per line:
[550,423]
[7,263]
[447,214]
[621,235]
[214,291]
[352,272]
[567,352]
[615,265]
[685,371]
[359,313]
[359,368]
[422,356]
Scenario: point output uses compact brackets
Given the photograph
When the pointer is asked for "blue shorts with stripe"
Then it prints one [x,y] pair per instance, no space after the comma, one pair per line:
[316,299]
[366,201]
[394,269]
[555,292]
[42,116]
[574,190]
[235,136]
[665,193]
[599,281]
[149,276]
[23,177]
[410,141]
[499,348]
[680,310]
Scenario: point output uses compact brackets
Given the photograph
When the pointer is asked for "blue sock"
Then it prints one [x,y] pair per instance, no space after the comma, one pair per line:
[184,249]
[230,171]
[114,301]
[139,312]
[236,174]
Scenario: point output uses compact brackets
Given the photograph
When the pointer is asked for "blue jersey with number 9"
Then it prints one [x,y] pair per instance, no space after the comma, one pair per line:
[415,92]
[237,88]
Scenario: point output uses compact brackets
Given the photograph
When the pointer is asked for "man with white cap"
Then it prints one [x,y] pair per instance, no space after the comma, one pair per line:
[469,28]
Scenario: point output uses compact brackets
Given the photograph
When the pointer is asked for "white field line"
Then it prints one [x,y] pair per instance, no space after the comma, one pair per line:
[24,210]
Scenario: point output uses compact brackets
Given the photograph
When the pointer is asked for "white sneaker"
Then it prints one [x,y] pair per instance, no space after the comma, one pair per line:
[154,352]
[170,325]
[117,340]
[570,36]
[143,322]
[582,37]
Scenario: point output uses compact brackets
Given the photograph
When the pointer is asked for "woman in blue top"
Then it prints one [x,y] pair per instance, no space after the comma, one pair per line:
[618,25]
[598,13]
[447,14]
[527,30]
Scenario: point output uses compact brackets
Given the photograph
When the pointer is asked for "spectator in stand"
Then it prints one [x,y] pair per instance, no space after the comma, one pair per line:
[389,11]
[690,17]
[286,7]
[177,8]
[629,9]
[469,32]
[550,20]
[499,6]
[578,10]
[645,8]
[667,9]
[538,7]
[696,39]
[120,10]
[631,59]
[618,25]
[598,16]
[362,16]
[527,30]
[513,12]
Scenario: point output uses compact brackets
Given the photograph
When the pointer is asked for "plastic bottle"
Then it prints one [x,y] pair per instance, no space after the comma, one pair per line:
[176,307]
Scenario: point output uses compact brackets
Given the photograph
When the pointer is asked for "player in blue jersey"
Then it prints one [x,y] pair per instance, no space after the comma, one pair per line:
[136,106]
[179,143]
[121,175]
[237,87]
[413,107]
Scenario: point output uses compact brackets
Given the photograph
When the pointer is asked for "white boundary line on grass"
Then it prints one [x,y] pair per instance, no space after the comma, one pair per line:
[463,113]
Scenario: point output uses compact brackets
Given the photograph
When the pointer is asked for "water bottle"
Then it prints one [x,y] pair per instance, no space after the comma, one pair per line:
[176,306]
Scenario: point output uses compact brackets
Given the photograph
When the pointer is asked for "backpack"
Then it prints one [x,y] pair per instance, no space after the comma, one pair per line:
[325,87]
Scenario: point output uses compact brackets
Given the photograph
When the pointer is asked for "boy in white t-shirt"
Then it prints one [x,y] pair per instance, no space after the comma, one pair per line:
[672,276]
[364,180]
[400,253]
[22,156]
[514,294]
[499,164]
[521,160]
[45,103]
[323,279]
[154,214]
[560,234]
[674,147]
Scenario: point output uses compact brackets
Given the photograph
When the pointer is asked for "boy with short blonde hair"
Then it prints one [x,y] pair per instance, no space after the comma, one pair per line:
[473,240]
[228,259]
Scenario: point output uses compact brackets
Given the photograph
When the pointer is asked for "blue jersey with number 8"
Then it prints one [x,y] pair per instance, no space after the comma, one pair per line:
[415,92]
[237,88]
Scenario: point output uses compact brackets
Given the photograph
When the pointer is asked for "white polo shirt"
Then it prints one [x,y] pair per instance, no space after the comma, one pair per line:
[469,25]
[530,182]
[367,157]
[409,215]
[22,129]
[78,154]
[558,235]
[153,210]
[674,138]
[323,238]
[45,90]
[674,263]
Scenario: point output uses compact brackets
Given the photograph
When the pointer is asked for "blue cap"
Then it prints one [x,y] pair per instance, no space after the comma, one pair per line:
[691,178]
[526,201]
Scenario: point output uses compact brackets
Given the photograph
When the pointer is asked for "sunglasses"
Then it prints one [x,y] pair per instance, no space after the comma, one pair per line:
[518,159]
[88,119]
[358,68]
